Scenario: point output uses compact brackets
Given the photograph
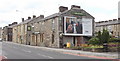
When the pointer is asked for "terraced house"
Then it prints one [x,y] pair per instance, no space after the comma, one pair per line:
[20,31]
[113,26]
[74,26]
[1,33]
[7,33]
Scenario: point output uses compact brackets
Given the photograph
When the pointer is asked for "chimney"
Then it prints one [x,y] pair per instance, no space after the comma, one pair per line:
[29,18]
[41,16]
[75,7]
[106,21]
[6,26]
[23,20]
[14,23]
[102,21]
[34,16]
[118,18]
[114,19]
[9,24]
[62,8]
[110,20]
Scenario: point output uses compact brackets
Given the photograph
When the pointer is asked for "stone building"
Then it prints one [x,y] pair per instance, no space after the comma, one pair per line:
[113,26]
[51,31]
[0,33]
[4,36]
[20,31]
[33,35]
[8,32]
[74,26]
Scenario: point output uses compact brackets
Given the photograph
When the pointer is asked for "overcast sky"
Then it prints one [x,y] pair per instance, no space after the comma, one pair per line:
[14,10]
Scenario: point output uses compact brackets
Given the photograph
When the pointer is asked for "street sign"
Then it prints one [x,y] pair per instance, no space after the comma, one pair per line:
[28,28]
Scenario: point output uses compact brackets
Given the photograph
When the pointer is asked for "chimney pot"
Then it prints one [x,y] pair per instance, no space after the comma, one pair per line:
[29,18]
[118,18]
[41,16]
[114,19]
[106,21]
[15,23]
[110,20]
[23,20]
[34,16]
[62,8]
[75,7]
[9,24]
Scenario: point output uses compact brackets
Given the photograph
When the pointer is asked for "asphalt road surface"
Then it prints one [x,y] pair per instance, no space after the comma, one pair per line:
[14,51]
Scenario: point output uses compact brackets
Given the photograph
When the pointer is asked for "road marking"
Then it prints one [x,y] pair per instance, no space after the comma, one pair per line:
[15,47]
[86,55]
[26,51]
[5,57]
[46,56]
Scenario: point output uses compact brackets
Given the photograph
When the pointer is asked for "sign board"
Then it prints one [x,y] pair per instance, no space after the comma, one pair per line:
[77,27]
[78,13]
[28,28]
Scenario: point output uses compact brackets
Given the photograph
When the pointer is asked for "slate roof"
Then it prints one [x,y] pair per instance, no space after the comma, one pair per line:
[62,13]
[107,23]
[55,15]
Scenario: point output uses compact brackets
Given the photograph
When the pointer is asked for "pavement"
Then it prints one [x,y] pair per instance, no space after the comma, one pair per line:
[52,53]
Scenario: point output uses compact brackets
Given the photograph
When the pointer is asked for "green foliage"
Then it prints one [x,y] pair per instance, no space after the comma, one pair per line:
[114,40]
[99,35]
[96,46]
[101,38]
[94,41]
[75,47]
[105,36]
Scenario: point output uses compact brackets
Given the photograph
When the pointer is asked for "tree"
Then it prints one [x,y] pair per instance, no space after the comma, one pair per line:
[99,35]
[105,36]
[94,41]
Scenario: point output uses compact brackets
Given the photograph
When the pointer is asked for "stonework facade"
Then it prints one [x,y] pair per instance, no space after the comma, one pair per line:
[113,26]
[8,32]
[1,33]
[49,31]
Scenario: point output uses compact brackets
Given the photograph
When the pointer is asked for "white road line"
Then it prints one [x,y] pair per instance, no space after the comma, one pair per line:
[46,56]
[15,47]
[26,51]
[4,57]
[50,57]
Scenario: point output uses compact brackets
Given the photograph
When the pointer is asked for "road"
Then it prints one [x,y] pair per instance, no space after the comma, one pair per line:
[14,51]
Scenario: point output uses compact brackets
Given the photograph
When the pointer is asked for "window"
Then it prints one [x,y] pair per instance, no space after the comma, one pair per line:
[53,26]
[38,22]
[118,34]
[52,38]
[28,28]
[115,33]
[41,37]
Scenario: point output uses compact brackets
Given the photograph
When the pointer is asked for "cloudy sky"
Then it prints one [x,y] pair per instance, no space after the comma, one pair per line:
[14,10]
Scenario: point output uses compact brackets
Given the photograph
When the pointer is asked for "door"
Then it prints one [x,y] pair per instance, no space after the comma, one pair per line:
[33,40]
